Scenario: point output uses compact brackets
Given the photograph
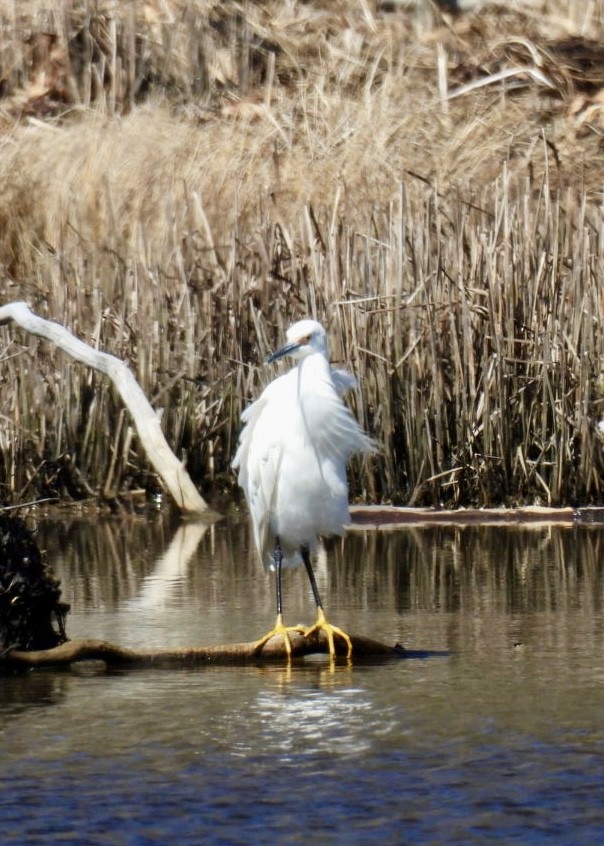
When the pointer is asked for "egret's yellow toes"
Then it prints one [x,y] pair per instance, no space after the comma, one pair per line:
[283,631]
[323,624]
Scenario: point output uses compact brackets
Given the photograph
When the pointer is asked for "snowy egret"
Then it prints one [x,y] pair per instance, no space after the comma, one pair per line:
[293,449]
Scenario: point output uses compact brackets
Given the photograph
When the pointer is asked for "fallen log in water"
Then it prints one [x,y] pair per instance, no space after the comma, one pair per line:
[113,656]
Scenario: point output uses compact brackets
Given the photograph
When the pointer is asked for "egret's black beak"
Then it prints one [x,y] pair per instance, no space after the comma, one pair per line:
[286,350]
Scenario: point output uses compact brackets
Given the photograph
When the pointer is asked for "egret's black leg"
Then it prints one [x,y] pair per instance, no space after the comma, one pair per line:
[280,628]
[322,621]
[278,564]
[315,590]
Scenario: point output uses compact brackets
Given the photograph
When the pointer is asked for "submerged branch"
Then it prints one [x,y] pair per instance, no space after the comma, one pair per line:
[113,656]
[168,467]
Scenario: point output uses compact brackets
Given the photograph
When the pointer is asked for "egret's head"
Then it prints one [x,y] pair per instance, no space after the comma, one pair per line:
[303,338]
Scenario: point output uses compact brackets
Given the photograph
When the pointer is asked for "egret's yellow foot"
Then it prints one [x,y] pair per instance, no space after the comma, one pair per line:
[324,625]
[282,630]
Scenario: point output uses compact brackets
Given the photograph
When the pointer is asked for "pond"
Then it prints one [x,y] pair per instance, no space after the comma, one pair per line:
[490,731]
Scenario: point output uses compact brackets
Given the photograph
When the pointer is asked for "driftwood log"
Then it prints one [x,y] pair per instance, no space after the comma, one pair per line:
[147,422]
[69,654]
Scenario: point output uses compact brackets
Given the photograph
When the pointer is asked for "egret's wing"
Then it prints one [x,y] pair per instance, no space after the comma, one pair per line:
[258,459]
[331,426]
[249,418]
[343,381]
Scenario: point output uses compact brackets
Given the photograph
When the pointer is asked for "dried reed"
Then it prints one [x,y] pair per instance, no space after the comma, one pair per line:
[182,180]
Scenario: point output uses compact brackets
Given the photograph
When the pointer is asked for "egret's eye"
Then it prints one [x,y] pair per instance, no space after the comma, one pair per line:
[305,340]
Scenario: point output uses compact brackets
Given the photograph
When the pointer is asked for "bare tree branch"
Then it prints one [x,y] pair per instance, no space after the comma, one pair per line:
[171,471]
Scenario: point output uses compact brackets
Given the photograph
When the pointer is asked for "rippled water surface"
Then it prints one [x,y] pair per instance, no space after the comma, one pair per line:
[491,731]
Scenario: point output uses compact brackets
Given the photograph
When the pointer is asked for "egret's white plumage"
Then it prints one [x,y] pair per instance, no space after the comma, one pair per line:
[293,451]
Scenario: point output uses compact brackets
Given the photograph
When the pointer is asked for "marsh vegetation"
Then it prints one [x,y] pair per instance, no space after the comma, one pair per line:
[180,181]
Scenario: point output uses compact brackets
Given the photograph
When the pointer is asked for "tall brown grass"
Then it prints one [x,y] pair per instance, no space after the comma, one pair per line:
[180,181]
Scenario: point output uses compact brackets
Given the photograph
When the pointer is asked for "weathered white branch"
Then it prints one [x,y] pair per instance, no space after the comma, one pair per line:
[168,467]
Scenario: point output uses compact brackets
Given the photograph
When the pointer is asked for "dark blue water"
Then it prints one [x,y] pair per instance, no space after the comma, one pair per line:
[494,735]
[390,797]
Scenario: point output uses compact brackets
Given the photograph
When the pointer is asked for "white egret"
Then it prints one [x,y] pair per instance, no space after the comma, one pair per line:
[293,449]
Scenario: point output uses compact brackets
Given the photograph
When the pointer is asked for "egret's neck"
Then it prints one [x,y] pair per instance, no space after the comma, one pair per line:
[312,369]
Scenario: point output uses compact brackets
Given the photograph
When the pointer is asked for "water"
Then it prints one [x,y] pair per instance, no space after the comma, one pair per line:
[491,732]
